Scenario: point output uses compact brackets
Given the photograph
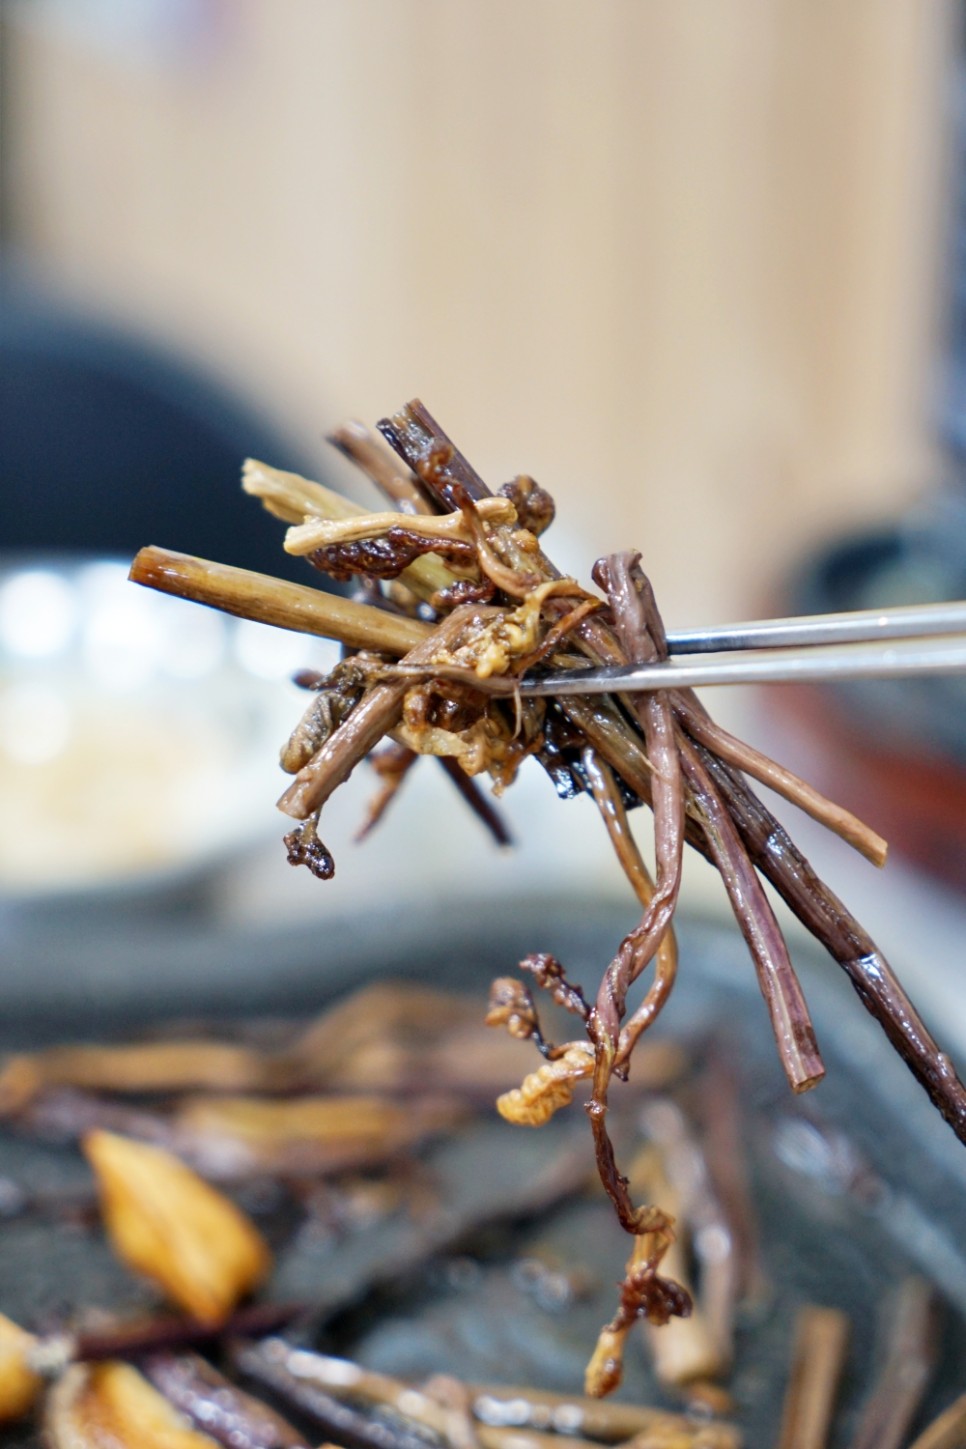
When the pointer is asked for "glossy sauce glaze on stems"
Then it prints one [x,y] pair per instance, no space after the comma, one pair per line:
[468,565]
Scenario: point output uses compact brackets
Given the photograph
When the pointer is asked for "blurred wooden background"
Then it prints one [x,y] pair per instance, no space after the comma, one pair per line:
[679,260]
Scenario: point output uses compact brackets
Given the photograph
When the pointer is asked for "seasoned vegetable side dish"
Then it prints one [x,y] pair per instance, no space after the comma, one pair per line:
[455,604]
[267,1233]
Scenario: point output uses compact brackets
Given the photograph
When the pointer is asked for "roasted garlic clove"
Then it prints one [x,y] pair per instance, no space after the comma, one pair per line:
[110,1406]
[168,1224]
[19,1385]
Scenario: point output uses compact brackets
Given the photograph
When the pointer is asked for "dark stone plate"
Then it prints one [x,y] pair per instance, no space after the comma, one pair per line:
[857,1184]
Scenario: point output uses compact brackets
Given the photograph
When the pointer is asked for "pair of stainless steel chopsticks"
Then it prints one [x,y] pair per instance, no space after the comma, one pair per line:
[815,648]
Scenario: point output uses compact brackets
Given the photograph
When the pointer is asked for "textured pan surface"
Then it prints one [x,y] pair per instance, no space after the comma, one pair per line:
[857,1183]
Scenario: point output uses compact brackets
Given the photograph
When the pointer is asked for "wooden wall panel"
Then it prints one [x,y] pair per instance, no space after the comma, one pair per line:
[680,257]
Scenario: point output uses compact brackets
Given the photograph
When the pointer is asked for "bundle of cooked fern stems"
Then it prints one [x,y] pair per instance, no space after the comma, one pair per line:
[454,602]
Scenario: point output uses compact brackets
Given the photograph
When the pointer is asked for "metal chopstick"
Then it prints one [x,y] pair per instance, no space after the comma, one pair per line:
[815,665]
[862,625]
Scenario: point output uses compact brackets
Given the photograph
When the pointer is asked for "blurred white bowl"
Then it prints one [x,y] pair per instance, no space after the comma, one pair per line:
[139,734]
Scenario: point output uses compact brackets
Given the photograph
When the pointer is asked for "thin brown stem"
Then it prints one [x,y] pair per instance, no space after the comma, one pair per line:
[727,1160]
[419,440]
[689,1174]
[641,635]
[224,1412]
[485,811]
[911,1352]
[392,764]
[946,1432]
[787,1009]
[685,1350]
[823,914]
[136,1339]
[818,1358]
[268,600]
[600,1419]
[276,1367]
[784,782]
[355,442]
[611,807]
[505,1418]
[376,715]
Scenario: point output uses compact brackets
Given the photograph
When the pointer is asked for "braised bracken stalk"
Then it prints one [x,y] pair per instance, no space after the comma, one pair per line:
[132,1340]
[456,584]
[685,1354]
[912,1331]
[214,1404]
[946,1432]
[726,1160]
[712,1242]
[340,1396]
[230,1139]
[278,1371]
[818,1358]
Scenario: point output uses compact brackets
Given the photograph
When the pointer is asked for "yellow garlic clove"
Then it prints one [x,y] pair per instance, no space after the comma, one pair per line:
[19,1385]
[168,1224]
[110,1406]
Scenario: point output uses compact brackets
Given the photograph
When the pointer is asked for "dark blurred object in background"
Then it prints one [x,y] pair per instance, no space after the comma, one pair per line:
[107,443]
[895,750]
[953,398]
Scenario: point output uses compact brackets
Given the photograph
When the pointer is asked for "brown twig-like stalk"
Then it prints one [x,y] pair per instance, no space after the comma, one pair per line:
[503,1418]
[267,600]
[355,442]
[218,1407]
[686,1351]
[911,1351]
[710,1232]
[946,1432]
[818,1358]
[726,1159]
[138,1338]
